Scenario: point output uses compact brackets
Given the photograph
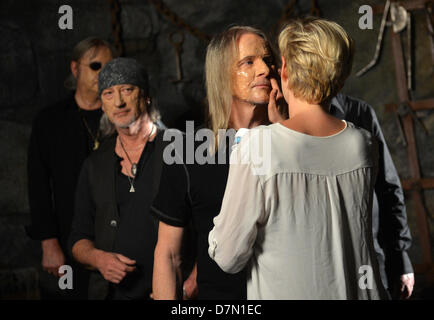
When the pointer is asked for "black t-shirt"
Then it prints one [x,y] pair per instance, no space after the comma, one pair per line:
[196,193]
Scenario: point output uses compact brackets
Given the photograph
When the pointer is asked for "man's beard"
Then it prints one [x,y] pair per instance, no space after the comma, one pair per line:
[251,101]
[133,119]
[128,124]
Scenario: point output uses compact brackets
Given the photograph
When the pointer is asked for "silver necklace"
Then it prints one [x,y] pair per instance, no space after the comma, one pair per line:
[133,164]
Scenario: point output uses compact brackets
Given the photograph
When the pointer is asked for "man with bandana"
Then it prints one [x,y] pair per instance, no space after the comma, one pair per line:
[113,233]
[62,136]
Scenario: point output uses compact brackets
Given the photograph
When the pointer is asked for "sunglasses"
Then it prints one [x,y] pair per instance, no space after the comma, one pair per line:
[95,66]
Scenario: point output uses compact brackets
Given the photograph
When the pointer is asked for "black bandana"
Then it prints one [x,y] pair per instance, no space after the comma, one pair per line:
[122,71]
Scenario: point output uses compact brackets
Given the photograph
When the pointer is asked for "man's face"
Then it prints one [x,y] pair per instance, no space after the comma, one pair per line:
[122,104]
[251,70]
[86,70]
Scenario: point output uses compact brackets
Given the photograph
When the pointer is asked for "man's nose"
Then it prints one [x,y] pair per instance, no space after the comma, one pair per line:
[119,102]
[263,68]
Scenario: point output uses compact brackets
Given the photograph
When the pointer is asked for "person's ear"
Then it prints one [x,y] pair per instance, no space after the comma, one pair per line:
[284,70]
[74,68]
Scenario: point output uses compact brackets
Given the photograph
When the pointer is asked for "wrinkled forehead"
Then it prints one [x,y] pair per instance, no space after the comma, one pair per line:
[93,52]
[250,44]
[122,86]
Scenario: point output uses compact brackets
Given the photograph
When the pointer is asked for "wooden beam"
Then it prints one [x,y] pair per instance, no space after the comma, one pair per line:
[407,121]
[423,183]
[419,105]
[408,5]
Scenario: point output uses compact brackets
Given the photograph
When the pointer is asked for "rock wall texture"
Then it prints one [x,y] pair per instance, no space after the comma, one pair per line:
[34,61]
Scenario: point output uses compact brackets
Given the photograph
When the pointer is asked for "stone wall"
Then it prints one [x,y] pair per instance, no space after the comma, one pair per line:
[34,61]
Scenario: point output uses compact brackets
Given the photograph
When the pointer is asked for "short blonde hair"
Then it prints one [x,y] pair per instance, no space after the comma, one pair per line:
[318,54]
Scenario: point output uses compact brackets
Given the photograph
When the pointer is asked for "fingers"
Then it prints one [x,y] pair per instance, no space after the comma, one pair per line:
[189,290]
[52,270]
[125,259]
[273,113]
[184,293]
[116,268]
[272,101]
[405,293]
[115,276]
[129,268]
[407,284]
[127,263]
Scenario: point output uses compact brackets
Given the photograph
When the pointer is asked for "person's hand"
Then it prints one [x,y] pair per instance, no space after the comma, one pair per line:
[189,289]
[406,285]
[114,266]
[276,99]
[52,256]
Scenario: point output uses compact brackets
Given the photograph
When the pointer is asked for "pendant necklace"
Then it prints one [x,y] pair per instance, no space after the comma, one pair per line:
[94,138]
[133,164]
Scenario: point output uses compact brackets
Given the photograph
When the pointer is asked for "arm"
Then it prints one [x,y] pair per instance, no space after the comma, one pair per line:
[113,266]
[393,225]
[235,228]
[189,288]
[172,207]
[393,233]
[43,221]
[167,276]
[393,221]
[277,106]
[52,256]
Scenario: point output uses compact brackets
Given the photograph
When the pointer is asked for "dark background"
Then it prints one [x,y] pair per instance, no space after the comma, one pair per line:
[34,62]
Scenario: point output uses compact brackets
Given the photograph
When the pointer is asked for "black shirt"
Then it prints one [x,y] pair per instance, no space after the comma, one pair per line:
[196,193]
[59,143]
[136,229]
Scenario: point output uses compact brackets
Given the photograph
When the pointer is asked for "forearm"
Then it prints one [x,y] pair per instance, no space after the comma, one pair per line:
[85,252]
[40,194]
[167,278]
[46,243]
[50,244]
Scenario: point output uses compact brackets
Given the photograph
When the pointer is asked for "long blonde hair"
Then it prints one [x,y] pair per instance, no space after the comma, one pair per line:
[220,56]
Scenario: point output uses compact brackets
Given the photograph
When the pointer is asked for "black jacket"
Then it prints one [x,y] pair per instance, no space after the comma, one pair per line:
[392,236]
[59,143]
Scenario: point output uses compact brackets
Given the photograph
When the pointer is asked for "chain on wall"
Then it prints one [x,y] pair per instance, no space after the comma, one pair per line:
[291,11]
[178,21]
[287,14]
[116,27]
